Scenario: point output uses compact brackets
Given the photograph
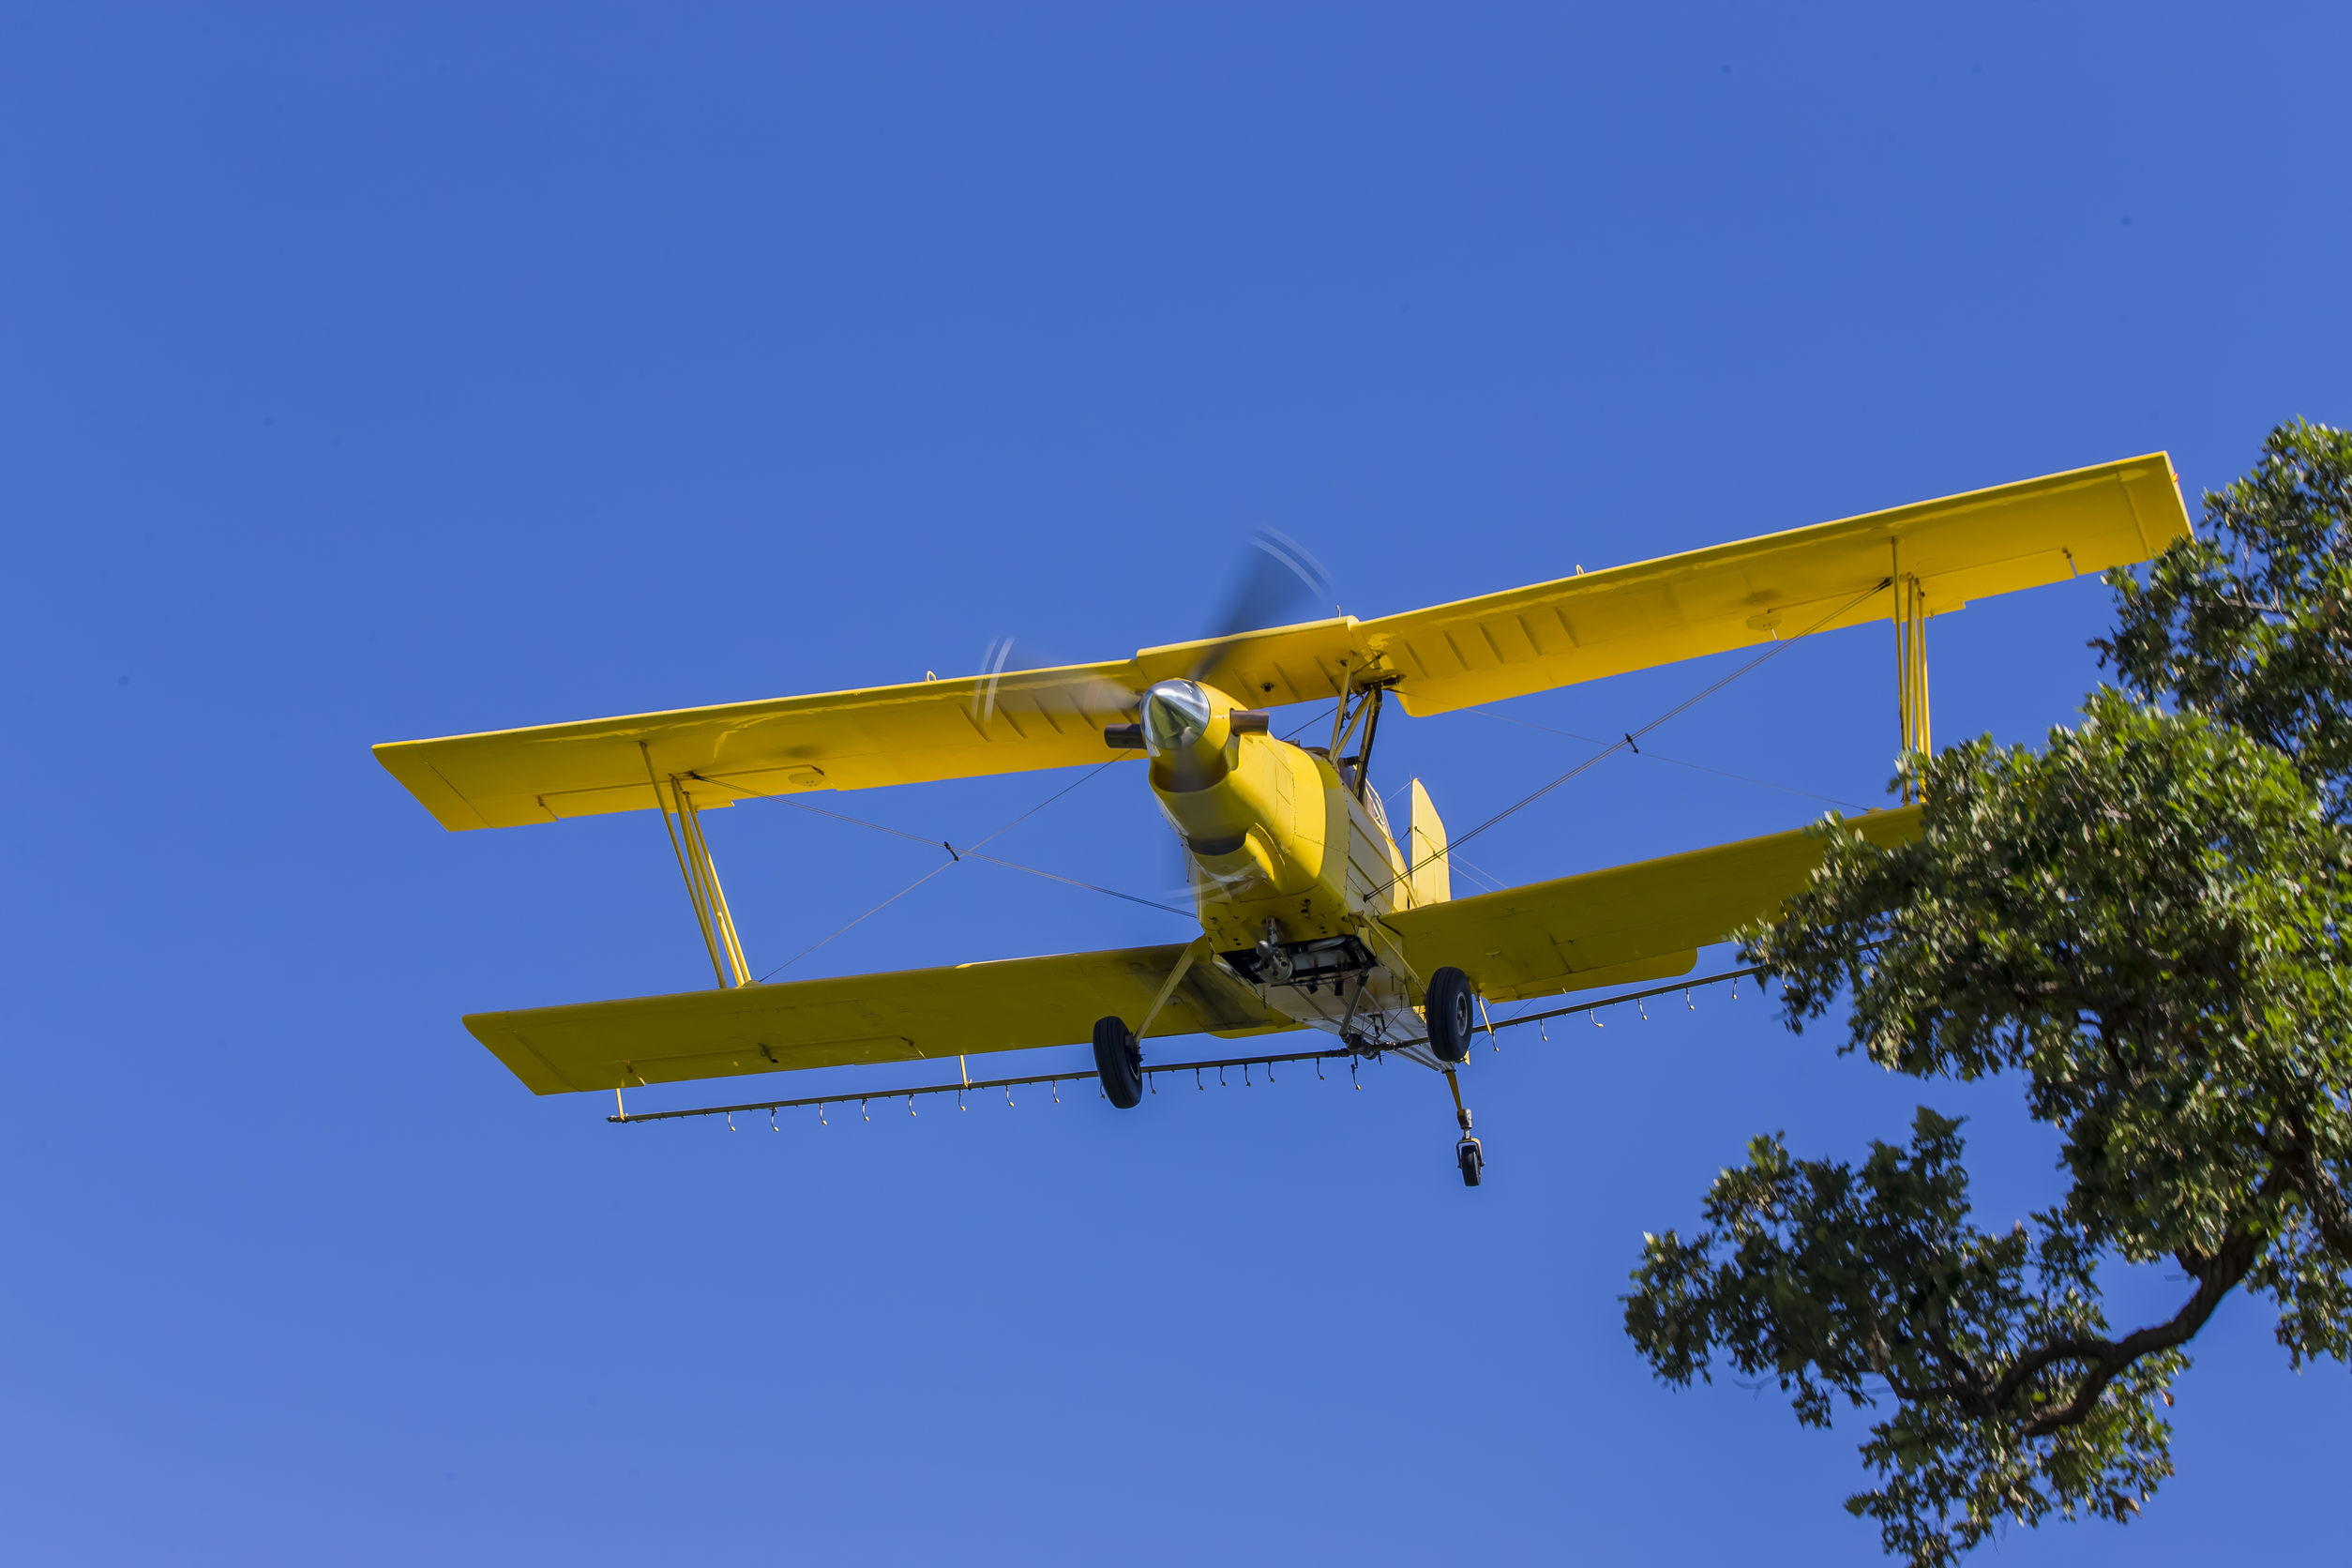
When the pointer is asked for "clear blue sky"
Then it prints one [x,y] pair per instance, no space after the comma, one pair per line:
[395,371]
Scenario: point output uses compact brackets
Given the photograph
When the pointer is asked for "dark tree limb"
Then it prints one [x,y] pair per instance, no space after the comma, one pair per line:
[2229,1264]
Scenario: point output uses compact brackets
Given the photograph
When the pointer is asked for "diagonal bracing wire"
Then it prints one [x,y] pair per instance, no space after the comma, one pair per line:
[1073,881]
[1627,743]
[860,920]
[1633,735]
[1661,757]
[955,856]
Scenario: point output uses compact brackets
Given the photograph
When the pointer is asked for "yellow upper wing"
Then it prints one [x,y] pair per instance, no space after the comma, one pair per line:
[1735,596]
[965,728]
[1506,644]
[915,1014]
[1638,921]
[850,740]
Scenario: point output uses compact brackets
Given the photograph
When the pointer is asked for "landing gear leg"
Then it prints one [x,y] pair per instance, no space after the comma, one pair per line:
[1468,1155]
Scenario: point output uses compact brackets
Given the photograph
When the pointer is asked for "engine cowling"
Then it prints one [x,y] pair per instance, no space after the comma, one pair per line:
[1250,808]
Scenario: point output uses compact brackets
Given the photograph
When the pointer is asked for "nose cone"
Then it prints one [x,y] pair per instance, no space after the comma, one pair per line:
[1176,717]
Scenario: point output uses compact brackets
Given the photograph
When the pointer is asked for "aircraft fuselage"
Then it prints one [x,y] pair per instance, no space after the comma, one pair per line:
[1293,873]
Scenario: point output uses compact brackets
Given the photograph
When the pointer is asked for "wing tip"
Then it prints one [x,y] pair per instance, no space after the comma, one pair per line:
[536,1073]
[406,762]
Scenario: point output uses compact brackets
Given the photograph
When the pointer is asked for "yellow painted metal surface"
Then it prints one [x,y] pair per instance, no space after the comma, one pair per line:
[1639,922]
[908,1016]
[1910,673]
[1620,926]
[705,894]
[1735,596]
[848,740]
[1259,832]
[1429,874]
[1506,644]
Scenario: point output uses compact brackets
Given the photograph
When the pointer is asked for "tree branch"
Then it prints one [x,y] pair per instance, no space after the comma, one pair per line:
[2221,1272]
[2328,1210]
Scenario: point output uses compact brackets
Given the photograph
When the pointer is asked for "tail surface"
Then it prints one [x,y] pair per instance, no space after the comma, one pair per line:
[1432,881]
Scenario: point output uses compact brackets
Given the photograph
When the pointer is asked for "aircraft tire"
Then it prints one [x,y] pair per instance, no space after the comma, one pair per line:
[1119,1062]
[1448,1007]
[1471,1158]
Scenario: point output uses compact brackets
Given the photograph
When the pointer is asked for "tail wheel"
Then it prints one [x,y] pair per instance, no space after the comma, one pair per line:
[1448,1007]
[1119,1062]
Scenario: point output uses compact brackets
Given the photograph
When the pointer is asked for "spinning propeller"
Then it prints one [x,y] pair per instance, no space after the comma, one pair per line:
[1275,577]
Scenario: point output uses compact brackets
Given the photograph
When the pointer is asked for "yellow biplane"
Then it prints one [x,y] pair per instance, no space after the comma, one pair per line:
[1314,913]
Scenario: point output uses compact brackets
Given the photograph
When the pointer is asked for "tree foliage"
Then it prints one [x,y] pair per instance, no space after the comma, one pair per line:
[2250,623]
[2147,919]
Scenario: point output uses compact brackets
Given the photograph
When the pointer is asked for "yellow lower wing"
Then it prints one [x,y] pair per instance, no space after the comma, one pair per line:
[913,1013]
[1640,922]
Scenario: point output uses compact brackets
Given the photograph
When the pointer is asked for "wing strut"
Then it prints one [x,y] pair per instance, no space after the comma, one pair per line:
[1910,672]
[1184,962]
[1346,721]
[702,878]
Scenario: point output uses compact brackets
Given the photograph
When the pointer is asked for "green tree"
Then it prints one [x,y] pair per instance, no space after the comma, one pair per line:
[2148,920]
[2250,623]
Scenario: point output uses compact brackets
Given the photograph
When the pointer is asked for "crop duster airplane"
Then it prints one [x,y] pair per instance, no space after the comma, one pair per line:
[1314,913]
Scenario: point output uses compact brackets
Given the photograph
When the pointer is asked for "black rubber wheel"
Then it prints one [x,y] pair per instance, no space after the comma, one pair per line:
[1471,1158]
[1448,1008]
[1119,1061]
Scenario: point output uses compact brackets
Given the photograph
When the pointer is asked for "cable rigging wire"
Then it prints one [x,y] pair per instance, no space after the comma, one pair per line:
[1661,757]
[972,851]
[1627,743]
[955,857]
[1633,735]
